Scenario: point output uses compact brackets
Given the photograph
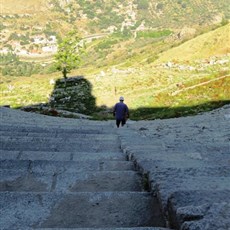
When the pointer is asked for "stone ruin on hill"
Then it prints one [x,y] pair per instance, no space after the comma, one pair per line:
[71,97]
[73,94]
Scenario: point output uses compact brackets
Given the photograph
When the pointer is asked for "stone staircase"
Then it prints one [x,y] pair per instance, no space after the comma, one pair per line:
[65,173]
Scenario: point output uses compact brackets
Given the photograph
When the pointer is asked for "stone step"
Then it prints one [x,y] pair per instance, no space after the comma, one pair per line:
[79,129]
[100,181]
[61,146]
[133,228]
[53,139]
[160,165]
[63,173]
[16,135]
[60,156]
[10,116]
[155,152]
[175,173]
[12,180]
[20,210]
[42,166]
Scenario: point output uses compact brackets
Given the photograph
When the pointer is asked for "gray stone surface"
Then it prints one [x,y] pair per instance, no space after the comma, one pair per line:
[188,166]
[100,181]
[52,210]
[40,166]
[193,205]
[25,182]
[186,163]
[46,181]
[60,156]
[212,216]
[64,173]
[58,144]
[133,228]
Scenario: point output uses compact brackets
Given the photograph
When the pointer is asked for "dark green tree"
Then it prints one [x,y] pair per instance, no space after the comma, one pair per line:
[68,54]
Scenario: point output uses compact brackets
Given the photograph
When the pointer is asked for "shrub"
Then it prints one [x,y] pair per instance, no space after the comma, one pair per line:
[8,58]
[153,34]
[143,4]
[160,6]
[224,22]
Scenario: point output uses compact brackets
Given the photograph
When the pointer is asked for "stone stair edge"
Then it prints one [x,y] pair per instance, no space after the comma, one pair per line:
[50,134]
[61,193]
[54,138]
[59,161]
[13,172]
[63,156]
[127,228]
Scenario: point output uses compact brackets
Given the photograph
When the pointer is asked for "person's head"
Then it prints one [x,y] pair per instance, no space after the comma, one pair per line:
[121,99]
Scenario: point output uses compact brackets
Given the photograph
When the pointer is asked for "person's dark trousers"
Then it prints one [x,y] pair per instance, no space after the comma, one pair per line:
[122,122]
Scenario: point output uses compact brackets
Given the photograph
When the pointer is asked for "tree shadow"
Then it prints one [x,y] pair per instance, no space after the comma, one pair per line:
[173,112]
[72,97]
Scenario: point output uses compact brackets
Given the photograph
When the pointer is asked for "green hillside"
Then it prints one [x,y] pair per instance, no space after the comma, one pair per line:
[167,59]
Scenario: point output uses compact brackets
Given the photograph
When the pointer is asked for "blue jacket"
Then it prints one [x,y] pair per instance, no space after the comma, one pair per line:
[121,111]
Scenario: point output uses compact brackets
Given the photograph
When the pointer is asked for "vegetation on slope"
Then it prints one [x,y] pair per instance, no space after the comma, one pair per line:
[165,70]
[214,43]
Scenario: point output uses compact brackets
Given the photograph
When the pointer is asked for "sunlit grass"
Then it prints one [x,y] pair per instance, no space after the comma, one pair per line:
[23,91]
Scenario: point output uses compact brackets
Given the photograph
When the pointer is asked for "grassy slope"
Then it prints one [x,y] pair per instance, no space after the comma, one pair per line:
[151,85]
[214,43]
[23,91]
